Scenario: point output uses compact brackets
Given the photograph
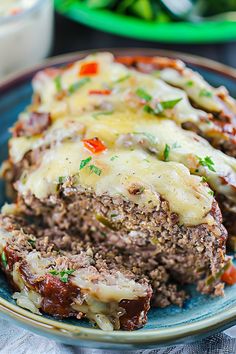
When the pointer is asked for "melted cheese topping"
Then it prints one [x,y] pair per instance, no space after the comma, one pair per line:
[187,196]
[195,86]
[118,119]
[123,83]
[129,128]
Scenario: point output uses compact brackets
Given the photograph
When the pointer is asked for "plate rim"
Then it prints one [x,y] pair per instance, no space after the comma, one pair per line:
[80,335]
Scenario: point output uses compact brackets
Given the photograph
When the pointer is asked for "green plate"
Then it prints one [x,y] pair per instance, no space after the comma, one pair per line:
[128,26]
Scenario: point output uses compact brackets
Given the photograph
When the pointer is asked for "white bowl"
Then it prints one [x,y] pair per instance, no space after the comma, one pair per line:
[26,38]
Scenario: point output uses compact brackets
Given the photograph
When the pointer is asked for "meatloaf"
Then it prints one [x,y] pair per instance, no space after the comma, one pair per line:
[113,192]
[218,126]
[142,85]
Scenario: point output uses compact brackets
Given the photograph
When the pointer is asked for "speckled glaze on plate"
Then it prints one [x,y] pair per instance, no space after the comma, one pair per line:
[201,315]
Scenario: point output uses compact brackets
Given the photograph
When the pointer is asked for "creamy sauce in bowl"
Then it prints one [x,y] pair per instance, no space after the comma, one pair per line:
[26,29]
[15,7]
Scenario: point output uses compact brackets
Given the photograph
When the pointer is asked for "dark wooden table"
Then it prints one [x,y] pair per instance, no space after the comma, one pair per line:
[71,36]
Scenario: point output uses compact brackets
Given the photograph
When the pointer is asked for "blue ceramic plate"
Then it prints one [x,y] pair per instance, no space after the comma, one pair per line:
[201,315]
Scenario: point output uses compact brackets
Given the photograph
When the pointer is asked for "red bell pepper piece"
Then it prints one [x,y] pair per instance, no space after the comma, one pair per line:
[229,276]
[100,92]
[88,69]
[94,145]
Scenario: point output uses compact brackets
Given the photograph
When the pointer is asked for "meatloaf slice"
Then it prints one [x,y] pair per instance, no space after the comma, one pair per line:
[130,193]
[80,279]
[126,131]
[63,274]
[190,253]
[219,127]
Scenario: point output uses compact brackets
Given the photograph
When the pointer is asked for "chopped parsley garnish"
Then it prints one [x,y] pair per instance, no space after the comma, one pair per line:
[189,83]
[24,178]
[170,104]
[31,242]
[77,85]
[143,94]
[210,192]
[204,179]
[149,109]
[113,215]
[95,170]
[4,259]
[61,179]
[156,73]
[207,161]
[64,274]
[123,78]
[58,84]
[166,152]
[176,145]
[114,157]
[102,113]
[205,93]
[161,106]
[83,163]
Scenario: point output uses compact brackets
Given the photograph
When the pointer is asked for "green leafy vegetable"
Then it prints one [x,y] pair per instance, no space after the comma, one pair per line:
[114,157]
[124,5]
[31,242]
[99,4]
[149,109]
[102,113]
[58,84]
[176,145]
[166,152]
[63,275]
[4,259]
[205,93]
[95,170]
[170,104]
[83,163]
[156,73]
[77,85]
[161,106]
[212,278]
[207,162]
[189,83]
[61,179]
[143,94]
[143,8]
[152,10]
[123,78]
